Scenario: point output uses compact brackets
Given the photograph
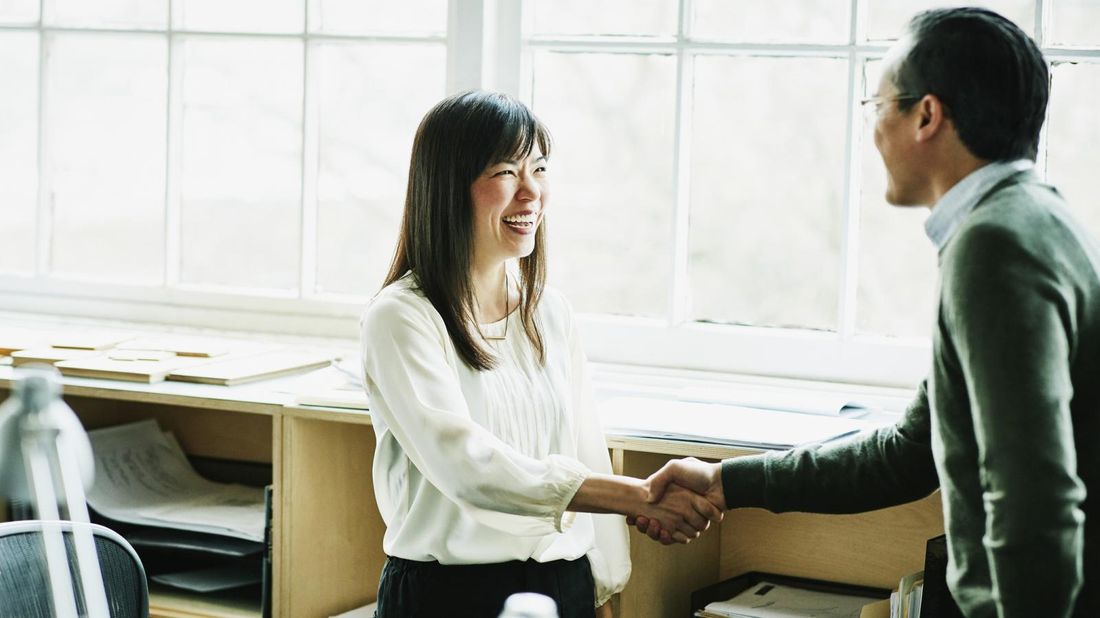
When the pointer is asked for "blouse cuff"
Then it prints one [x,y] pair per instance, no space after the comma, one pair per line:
[575,474]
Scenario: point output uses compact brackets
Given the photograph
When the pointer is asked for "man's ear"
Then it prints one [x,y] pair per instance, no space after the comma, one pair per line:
[932,117]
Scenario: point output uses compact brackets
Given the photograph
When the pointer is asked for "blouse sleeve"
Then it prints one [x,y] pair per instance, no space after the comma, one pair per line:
[610,558]
[417,395]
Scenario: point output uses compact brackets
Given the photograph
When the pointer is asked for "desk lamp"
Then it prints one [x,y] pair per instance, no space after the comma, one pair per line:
[46,458]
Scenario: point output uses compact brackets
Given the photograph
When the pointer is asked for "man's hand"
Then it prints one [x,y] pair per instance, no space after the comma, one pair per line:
[681,515]
[699,477]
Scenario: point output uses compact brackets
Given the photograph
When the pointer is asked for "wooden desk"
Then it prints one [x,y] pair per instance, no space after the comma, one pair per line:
[327,553]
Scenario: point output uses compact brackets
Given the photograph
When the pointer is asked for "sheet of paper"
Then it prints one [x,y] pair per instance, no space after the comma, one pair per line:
[766,600]
[143,477]
[332,386]
[211,579]
[788,400]
[722,424]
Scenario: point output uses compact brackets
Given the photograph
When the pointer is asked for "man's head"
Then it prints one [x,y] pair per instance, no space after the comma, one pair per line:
[963,86]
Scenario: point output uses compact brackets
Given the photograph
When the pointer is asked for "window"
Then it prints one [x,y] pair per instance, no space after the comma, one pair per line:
[237,155]
[716,186]
[717,202]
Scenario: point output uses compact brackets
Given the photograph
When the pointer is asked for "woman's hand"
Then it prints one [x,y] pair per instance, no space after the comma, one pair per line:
[682,513]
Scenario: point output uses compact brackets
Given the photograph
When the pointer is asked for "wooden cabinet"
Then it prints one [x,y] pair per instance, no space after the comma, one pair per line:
[327,540]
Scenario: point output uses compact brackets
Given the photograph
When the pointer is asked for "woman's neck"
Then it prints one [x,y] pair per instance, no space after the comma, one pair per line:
[491,294]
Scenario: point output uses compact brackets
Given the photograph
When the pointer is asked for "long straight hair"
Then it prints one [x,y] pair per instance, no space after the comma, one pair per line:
[456,141]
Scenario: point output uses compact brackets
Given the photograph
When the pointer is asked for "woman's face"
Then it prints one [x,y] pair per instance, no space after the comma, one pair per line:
[509,200]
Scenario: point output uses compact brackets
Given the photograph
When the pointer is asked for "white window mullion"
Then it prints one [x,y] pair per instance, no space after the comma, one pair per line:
[44,220]
[679,300]
[174,125]
[507,56]
[847,302]
[311,144]
[1042,25]
[466,25]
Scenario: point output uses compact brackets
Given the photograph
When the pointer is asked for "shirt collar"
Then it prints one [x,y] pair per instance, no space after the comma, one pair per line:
[957,203]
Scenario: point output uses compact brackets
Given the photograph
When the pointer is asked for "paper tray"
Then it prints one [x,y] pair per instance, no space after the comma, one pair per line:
[732,587]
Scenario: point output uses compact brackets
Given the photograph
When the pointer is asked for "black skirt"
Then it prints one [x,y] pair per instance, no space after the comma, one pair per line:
[411,589]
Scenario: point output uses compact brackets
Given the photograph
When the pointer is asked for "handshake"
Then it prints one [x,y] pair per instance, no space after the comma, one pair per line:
[684,497]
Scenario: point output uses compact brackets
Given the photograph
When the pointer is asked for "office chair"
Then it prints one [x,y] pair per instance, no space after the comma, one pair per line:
[24,579]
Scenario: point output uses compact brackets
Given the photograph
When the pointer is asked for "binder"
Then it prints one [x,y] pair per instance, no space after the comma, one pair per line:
[937,601]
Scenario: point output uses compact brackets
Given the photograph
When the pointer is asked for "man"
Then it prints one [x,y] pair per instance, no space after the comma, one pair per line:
[1006,423]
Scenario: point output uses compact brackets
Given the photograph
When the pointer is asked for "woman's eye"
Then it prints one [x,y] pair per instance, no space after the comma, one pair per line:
[504,172]
[542,169]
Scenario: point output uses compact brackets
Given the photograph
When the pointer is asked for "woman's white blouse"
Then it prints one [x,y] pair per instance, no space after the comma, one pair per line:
[475,467]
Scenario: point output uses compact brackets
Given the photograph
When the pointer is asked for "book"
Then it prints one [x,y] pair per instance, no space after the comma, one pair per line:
[15,339]
[50,355]
[204,347]
[87,340]
[137,368]
[348,397]
[252,368]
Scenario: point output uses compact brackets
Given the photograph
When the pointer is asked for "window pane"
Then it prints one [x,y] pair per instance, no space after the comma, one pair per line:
[241,177]
[1073,23]
[106,102]
[767,181]
[18,11]
[886,19]
[239,15]
[384,16]
[1072,134]
[619,17]
[18,149]
[819,21]
[108,13]
[369,108]
[896,289]
[610,216]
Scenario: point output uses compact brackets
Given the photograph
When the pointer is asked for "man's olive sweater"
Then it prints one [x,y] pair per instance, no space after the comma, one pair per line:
[1006,425]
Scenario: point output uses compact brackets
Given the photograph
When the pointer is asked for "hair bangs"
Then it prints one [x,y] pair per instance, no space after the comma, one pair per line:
[520,133]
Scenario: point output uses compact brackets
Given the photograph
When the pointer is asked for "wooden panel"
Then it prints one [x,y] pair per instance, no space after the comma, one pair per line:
[664,577]
[206,433]
[873,549]
[331,532]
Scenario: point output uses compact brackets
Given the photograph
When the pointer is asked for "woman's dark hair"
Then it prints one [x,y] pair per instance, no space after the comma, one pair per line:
[989,74]
[456,141]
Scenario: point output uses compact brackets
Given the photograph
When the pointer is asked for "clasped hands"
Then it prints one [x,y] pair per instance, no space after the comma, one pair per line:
[685,496]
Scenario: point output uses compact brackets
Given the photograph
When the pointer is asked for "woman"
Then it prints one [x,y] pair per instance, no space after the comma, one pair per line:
[488,440]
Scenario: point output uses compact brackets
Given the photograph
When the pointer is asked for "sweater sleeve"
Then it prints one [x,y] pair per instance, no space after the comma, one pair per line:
[417,395]
[888,466]
[1011,320]
[610,557]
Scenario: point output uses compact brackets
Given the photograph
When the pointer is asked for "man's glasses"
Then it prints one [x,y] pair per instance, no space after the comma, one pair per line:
[878,101]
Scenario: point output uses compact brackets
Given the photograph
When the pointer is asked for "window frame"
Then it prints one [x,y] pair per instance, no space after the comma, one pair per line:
[487,47]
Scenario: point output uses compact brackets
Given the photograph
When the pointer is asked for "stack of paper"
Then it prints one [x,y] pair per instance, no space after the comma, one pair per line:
[143,477]
[766,600]
[180,346]
[130,365]
[337,386]
[722,424]
[253,367]
[50,356]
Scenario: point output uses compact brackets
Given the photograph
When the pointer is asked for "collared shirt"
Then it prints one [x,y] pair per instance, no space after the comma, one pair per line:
[957,203]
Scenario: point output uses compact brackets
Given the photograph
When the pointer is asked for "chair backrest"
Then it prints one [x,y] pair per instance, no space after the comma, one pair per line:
[24,579]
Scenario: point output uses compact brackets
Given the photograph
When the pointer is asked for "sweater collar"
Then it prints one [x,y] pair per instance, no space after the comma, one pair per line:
[953,208]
